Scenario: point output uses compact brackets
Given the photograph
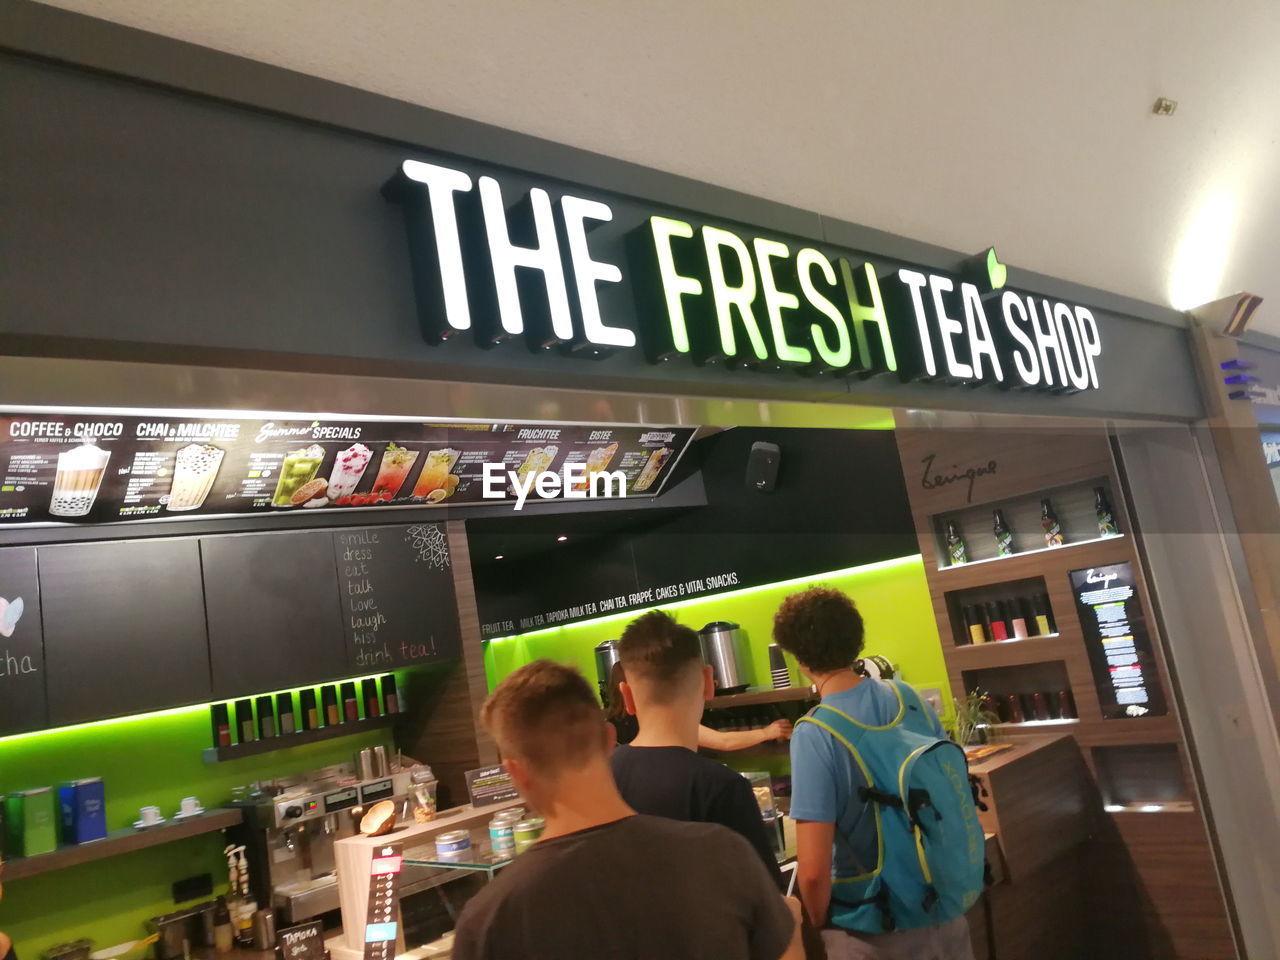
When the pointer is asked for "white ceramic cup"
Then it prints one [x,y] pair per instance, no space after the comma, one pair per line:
[149,815]
[190,806]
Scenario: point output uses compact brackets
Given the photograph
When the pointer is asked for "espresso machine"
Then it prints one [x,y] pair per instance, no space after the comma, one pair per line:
[289,829]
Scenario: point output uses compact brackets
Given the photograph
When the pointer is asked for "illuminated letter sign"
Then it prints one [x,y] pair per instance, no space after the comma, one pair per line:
[509,260]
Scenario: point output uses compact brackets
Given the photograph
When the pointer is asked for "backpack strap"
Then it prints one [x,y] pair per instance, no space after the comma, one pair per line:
[849,733]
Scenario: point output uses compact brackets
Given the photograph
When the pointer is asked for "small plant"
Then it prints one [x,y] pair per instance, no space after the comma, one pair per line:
[971,719]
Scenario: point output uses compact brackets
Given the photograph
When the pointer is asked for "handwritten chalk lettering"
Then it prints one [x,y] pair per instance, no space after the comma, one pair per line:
[11,666]
[418,651]
[373,658]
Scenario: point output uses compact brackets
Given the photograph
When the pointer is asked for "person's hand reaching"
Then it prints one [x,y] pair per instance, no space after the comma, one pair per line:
[779,730]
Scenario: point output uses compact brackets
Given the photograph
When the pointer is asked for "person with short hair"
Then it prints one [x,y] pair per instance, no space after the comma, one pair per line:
[603,881]
[835,830]
[660,772]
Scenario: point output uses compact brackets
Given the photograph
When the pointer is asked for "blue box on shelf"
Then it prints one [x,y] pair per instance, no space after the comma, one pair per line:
[84,810]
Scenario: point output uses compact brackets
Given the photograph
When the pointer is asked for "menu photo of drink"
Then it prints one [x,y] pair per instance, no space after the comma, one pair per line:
[69,468]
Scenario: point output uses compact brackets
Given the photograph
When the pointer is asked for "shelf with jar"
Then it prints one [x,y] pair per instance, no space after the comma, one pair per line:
[1005,530]
[1025,694]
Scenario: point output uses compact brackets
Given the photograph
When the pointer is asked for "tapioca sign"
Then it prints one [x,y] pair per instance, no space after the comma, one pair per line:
[499,264]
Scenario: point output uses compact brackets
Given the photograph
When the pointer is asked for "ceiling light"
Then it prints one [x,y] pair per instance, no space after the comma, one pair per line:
[498,557]
[561,539]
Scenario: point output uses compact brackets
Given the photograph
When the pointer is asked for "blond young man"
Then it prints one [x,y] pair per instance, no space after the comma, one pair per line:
[605,882]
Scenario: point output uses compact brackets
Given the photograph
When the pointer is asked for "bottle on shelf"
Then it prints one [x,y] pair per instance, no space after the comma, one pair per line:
[1049,521]
[974,625]
[266,718]
[308,716]
[221,725]
[1066,705]
[286,719]
[956,550]
[1013,709]
[1044,616]
[1039,706]
[1018,618]
[1107,526]
[999,628]
[1003,535]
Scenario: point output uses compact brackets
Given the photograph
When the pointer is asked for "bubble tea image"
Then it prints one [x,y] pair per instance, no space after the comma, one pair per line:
[299,467]
[194,470]
[79,475]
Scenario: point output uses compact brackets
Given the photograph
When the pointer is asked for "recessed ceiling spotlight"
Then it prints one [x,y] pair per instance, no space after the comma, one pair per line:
[1164,107]
[562,538]
[498,557]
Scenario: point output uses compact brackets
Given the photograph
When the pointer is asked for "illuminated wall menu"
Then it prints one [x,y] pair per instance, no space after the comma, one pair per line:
[1115,632]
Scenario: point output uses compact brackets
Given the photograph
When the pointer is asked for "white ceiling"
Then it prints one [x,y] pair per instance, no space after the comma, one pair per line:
[1026,125]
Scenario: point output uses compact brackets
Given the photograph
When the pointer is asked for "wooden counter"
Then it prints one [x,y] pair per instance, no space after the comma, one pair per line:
[1038,822]
[1037,799]
[353,857]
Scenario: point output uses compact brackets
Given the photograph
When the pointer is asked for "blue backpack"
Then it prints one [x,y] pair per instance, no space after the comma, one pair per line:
[931,852]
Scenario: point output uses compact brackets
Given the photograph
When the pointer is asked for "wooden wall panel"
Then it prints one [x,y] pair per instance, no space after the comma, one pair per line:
[1155,891]
[445,730]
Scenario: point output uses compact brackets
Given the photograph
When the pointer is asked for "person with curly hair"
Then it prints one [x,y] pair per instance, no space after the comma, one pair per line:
[835,830]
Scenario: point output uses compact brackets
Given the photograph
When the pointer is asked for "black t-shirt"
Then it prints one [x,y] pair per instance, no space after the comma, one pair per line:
[678,783]
[640,888]
[627,727]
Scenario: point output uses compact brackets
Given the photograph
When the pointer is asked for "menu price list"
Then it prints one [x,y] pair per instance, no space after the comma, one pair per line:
[381,928]
[1119,646]
[68,468]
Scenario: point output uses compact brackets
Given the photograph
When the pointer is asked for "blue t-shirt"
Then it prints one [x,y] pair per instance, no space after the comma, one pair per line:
[825,779]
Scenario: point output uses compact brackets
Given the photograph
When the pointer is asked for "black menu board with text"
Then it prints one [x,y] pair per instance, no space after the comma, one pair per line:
[78,468]
[1119,647]
[397,594]
[22,669]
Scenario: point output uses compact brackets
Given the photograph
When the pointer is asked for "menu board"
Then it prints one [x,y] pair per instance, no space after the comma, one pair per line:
[70,468]
[22,696]
[1115,633]
[396,588]
[381,929]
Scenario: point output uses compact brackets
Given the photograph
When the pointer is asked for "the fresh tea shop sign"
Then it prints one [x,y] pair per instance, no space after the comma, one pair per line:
[500,264]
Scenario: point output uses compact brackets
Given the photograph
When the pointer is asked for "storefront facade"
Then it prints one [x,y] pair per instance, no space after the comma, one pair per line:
[194,232]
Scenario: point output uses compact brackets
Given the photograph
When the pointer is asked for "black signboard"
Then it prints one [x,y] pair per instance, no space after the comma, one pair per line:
[1115,632]
[124,628]
[73,468]
[303,942]
[490,785]
[271,601]
[22,676]
[396,586]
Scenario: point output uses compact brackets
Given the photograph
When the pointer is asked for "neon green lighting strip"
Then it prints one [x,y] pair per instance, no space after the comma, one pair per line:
[741,591]
[180,711]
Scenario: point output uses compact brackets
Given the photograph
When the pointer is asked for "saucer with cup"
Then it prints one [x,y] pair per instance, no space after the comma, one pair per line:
[150,818]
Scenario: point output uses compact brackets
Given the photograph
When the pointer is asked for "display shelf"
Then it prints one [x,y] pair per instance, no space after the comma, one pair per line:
[754,698]
[119,842]
[1002,653]
[1034,724]
[283,742]
[990,562]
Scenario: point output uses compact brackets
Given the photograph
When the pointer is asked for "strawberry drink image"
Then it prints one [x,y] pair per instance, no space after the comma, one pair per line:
[392,471]
[347,470]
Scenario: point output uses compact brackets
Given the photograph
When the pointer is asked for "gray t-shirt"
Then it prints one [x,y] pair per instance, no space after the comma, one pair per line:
[640,888]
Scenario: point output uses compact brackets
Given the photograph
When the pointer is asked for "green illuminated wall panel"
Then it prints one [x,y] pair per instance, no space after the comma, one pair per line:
[155,759]
[893,597]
